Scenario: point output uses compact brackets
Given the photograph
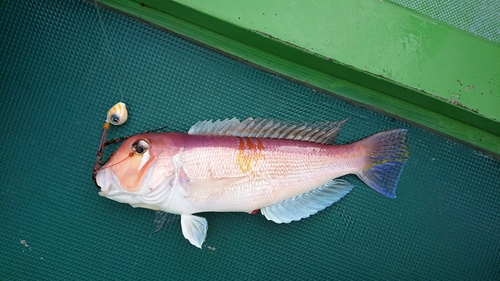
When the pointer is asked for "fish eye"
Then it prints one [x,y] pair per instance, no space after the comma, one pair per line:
[140,146]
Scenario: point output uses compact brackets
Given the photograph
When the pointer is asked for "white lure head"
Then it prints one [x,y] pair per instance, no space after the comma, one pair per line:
[118,114]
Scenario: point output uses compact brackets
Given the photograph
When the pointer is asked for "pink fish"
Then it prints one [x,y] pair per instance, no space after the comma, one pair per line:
[287,170]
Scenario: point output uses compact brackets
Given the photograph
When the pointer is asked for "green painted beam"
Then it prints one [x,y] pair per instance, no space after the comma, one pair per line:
[374,53]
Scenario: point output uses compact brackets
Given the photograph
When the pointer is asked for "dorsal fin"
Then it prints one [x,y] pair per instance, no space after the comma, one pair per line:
[309,203]
[320,132]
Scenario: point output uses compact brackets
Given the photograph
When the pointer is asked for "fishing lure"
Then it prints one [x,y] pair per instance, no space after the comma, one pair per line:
[117,115]
[287,170]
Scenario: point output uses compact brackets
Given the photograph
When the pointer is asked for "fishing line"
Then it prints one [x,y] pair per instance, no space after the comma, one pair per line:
[109,166]
[108,48]
[118,114]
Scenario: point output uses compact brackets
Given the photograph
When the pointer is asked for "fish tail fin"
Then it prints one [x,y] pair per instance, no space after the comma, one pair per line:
[388,153]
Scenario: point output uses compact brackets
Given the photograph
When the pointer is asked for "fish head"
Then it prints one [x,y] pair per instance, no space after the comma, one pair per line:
[137,168]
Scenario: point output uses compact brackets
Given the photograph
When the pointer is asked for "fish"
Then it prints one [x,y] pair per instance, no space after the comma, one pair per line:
[287,170]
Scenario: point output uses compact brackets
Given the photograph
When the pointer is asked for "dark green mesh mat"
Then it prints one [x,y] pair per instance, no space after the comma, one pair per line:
[57,83]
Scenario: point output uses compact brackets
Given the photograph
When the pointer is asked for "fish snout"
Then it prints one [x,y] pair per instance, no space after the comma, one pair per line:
[107,181]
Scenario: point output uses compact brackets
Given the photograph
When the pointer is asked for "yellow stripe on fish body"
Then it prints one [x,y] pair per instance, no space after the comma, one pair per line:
[249,154]
[118,114]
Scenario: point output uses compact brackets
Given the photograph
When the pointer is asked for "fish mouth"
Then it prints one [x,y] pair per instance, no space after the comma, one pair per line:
[112,189]
[107,181]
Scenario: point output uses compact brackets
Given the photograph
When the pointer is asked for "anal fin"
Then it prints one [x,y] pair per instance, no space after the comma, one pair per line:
[194,229]
[309,203]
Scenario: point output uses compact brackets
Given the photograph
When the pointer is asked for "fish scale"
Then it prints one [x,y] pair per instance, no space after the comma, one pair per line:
[283,169]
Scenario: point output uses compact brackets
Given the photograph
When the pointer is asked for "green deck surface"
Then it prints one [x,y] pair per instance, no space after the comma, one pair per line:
[407,65]
[57,81]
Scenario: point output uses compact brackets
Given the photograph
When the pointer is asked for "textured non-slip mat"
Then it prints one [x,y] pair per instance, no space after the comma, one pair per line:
[57,81]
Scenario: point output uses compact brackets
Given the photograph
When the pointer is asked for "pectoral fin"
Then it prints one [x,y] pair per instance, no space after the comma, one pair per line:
[307,204]
[161,218]
[194,229]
